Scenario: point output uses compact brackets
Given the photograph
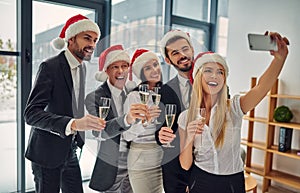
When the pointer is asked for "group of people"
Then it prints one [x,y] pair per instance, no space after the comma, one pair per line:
[131,156]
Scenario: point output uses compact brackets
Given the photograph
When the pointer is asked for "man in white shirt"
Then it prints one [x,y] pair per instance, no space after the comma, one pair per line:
[177,50]
[55,110]
[110,170]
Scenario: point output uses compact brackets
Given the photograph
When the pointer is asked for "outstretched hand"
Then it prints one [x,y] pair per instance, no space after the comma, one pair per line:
[282,43]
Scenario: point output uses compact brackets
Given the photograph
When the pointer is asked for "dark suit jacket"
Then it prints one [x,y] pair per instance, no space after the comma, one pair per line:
[175,179]
[50,107]
[106,166]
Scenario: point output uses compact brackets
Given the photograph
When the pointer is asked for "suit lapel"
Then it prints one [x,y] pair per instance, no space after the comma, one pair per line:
[68,78]
[175,85]
[66,71]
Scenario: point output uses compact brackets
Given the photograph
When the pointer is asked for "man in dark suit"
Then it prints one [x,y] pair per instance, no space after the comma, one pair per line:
[55,110]
[177,51]
[110,170]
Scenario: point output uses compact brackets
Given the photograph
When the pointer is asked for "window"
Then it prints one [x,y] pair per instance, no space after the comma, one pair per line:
[193,9]
[137,24]
[8,96]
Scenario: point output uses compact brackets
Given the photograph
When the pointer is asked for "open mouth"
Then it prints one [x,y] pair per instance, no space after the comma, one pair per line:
[212,84]
[155,76]
[184,61]
[120,78]
[89,50]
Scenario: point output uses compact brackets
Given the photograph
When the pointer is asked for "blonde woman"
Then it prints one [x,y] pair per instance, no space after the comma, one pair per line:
[211,149]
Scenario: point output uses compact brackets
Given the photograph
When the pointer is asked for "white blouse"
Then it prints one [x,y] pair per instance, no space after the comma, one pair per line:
[137,133]
[227,159]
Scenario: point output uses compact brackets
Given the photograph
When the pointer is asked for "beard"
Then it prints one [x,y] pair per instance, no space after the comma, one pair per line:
[185,68]
[80,53]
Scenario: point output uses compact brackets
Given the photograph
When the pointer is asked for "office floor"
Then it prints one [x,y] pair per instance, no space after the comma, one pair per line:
[272,189]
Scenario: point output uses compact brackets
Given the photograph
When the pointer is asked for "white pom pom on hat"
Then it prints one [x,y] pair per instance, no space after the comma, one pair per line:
[207,57]
[74,26]
[110,55]
[171,34]
[58,43]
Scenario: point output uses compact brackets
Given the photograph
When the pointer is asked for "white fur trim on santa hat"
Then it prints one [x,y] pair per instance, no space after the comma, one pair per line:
[113,56]
[74,29]
[210,57]
[81,26]
[171,34]
[139,62]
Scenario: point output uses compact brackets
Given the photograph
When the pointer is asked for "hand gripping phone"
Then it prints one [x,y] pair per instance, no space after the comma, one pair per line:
[261,42]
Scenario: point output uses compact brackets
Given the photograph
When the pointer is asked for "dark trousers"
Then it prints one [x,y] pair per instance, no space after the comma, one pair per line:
[67,176]
[202,181]
[175,179]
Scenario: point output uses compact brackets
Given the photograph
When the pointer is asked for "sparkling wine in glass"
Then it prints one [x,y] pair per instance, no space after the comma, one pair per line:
[156,99]
[104,105]
[144,96]
[170,113]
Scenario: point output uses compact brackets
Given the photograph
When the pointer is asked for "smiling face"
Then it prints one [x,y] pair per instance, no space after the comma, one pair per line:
[213,78]
[82,45]
[180,54]
[152,71]
[117,73]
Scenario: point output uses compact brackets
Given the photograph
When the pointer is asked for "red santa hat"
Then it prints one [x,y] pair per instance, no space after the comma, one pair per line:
[74,26]
[139,58]
[172,34]
[206,57]
[110,55]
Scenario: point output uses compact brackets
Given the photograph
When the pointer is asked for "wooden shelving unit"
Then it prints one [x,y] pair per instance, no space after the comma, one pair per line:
[268,147]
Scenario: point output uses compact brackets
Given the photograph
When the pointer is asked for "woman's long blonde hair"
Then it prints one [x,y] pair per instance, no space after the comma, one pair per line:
[219,120]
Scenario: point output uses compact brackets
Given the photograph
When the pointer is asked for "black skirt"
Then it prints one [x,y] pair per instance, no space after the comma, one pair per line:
[204,182]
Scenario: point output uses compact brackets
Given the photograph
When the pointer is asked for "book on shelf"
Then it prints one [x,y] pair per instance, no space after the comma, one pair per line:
[285,139]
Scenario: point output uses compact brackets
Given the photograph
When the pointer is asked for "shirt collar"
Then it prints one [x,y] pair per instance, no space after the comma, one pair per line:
[182,80]
[114,90]
[73,62]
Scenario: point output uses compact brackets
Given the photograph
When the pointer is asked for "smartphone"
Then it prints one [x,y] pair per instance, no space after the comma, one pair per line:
[261,42]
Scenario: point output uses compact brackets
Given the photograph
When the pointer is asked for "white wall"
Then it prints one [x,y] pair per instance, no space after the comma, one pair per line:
[257,16]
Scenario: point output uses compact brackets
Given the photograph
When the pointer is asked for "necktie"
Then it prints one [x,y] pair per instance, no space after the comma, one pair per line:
[81,90]
[123,97]
[187,94]
[80,110]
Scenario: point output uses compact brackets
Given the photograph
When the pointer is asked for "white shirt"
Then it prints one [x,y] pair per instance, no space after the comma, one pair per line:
[137,133]
[73,63]
[184,90]
[226,160]
[116,97]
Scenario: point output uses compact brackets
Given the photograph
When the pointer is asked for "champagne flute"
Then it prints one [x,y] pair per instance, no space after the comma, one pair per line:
[170,113]
[156,99]
[201,115]
[144,95]
[104,105]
